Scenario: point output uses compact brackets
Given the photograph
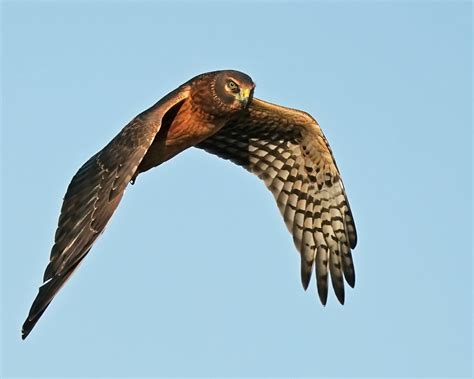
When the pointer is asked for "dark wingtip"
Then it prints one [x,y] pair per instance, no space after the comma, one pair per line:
[43,299]
[348,265]
[26,328]
[350,279]
[305,283]
[339,291]
[323,293]
[30,323]
[353,240]
[305,279]
[341,300]
[306,272]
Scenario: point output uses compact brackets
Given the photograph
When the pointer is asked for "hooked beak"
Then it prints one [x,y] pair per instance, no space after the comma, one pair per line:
[244,96]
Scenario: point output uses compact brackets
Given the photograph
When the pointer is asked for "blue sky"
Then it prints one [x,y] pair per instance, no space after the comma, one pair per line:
[196,274]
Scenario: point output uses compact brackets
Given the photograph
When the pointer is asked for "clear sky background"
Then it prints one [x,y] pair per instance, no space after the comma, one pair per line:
[196,274]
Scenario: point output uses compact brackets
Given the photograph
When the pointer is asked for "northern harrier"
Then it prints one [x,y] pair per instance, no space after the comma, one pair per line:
[215,112]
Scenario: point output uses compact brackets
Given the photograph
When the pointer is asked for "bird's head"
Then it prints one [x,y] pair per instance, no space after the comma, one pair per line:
[231,90]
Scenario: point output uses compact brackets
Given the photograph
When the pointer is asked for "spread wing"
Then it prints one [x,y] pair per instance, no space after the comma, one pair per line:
[288,151]
[92,197]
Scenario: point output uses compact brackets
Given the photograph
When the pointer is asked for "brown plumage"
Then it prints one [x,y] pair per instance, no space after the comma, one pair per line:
[216,112]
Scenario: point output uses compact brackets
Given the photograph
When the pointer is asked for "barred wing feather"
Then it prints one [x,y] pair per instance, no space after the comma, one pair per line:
[288,151]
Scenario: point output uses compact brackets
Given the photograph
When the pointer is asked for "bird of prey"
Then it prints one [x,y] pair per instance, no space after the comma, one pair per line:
[216,112]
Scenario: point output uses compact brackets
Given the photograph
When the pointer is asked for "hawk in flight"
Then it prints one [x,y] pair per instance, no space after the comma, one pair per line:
[216,112]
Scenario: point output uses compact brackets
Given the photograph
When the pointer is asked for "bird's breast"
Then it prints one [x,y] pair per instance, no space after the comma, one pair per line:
[189,128]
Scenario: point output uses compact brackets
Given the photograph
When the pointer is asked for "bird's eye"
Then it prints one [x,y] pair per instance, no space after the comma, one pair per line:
[233,86]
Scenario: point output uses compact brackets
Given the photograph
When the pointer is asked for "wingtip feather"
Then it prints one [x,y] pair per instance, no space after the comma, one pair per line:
[30,323]
[323,294]
[340,296]
[306,271]
[350,279]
